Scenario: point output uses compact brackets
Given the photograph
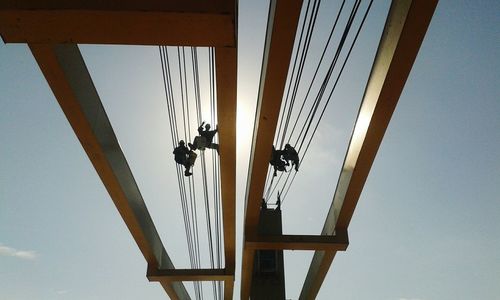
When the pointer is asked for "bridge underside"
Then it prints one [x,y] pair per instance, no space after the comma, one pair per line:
[53,28]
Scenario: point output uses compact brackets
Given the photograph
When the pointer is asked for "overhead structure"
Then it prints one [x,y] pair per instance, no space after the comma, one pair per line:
[281,27]
[53,28]
[129,22]
[405,28]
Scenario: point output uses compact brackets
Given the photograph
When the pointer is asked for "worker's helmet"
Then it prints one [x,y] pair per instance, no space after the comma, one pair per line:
[181,142]
[207,126]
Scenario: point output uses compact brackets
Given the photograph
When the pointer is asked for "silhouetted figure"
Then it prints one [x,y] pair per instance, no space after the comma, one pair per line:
[290,154]
[277,161]
[185,157]
[205,138]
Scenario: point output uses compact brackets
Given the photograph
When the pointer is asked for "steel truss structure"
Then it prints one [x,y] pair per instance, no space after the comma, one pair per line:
[52,29]
[403,33]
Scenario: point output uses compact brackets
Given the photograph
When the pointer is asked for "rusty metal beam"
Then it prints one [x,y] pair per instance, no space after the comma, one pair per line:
[147,22]
[405,28]
[174,275]
[226,73]
[280,35]
[68,77]
[337,242]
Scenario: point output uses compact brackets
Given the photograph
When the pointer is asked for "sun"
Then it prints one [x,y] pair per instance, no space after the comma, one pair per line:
[244,124]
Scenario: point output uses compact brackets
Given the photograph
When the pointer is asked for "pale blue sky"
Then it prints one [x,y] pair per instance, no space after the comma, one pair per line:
[426,225]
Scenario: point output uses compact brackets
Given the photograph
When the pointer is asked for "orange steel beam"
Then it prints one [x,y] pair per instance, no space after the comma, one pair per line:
[226,73]
[337,242]
[280,35]
[145,22]
[68,77]
[405,28]
[174,275]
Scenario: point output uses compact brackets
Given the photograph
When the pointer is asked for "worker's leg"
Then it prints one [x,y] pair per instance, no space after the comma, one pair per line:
[214,146]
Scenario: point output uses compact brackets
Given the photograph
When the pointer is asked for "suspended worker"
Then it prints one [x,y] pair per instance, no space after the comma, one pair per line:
[185,157]
[205,138]
[277,161]
[290,154]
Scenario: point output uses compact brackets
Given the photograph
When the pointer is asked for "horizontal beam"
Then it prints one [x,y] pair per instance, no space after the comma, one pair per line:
[280,36]
[171,275]
[146,22]
[404,30]
[338,242]
[184,6]
[70,81]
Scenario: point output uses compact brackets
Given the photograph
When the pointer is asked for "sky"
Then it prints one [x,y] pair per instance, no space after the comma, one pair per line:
[426,224]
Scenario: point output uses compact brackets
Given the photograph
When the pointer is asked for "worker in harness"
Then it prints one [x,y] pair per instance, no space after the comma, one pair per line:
[290,154]
[277,161]
[205,138]
[185,157]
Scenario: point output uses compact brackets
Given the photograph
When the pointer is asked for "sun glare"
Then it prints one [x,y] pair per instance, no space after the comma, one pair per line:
[244,126]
